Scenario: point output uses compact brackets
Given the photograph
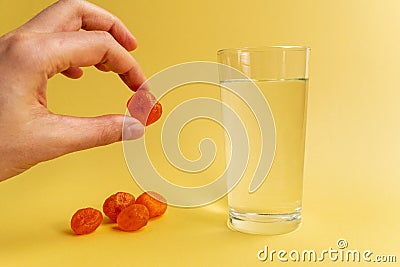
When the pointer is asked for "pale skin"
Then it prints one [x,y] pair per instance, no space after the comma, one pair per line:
[51,43]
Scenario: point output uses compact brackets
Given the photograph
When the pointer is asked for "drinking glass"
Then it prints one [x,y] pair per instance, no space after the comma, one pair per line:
[281,74]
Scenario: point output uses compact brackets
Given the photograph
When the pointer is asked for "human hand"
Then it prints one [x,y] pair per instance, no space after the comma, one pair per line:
[51,43]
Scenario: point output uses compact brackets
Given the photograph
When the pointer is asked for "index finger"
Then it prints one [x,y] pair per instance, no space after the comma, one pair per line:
[73,15]
[81,49]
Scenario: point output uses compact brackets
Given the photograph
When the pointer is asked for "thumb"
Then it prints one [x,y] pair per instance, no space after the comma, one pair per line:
[66,134]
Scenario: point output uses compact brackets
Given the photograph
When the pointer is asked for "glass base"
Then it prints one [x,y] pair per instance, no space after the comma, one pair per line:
[264,224]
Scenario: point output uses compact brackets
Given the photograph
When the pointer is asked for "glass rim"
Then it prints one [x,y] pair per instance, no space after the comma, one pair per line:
[264,48]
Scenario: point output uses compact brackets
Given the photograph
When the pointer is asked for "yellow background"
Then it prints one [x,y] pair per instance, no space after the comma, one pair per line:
[351,187]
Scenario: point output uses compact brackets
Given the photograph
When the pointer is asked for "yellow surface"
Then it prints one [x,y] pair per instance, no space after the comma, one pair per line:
[351,187]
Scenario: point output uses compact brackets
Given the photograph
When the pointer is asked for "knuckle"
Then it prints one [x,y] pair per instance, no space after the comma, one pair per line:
[113,20]
[71,2]
[105,36]
[19,45]
[17,41]
[78,6]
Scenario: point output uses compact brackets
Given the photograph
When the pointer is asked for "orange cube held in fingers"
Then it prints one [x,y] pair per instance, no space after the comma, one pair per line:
[144,107]
[86,220]
[114,204]
[155,203]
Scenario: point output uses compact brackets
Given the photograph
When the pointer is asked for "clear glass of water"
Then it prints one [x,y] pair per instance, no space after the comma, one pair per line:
[281,73]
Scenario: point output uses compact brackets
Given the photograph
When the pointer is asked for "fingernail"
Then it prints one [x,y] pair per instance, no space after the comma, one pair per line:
[133,129]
